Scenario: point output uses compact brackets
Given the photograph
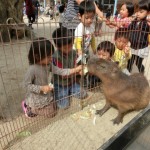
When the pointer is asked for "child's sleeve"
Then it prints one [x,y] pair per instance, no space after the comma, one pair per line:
[93,44]
[129,56]
[78,43]
[29,82]
[78,38]
[60,71]
[116,57]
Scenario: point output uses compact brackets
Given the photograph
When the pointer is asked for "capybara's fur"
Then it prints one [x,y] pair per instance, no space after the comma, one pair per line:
[126,93]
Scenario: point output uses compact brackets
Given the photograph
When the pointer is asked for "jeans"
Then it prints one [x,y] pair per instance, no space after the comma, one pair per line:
[62,94]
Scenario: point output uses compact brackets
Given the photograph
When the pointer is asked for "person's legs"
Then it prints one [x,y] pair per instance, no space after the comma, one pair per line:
[131,62]
[33,18]
[29,19]
[77,92]
[139,64]
[60,24]
[61,96]
[36,15]
[27,110]
[47,111]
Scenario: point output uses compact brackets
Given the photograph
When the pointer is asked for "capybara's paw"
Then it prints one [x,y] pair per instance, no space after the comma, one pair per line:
[117,120]
[99,112]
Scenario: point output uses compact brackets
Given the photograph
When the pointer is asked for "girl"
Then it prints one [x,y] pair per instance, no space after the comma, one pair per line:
[124,17]
[39,97]
[122,51]
[139,31]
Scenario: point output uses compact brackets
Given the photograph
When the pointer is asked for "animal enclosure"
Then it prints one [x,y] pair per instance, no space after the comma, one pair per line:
[75,128]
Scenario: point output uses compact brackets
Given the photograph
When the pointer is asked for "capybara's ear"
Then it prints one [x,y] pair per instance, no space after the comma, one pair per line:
[114,71]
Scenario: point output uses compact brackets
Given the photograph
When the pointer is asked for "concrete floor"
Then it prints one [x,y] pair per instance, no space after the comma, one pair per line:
[13,64]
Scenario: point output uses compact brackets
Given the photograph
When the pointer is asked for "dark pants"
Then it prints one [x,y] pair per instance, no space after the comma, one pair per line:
[31,19]
[138,61]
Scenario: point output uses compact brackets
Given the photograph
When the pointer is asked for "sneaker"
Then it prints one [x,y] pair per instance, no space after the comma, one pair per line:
[27,110]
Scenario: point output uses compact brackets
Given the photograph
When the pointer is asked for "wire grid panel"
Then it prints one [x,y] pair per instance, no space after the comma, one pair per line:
[13,66]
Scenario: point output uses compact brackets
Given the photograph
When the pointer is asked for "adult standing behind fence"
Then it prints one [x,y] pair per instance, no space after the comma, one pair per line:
[36,8]
[70,17]
[30,12]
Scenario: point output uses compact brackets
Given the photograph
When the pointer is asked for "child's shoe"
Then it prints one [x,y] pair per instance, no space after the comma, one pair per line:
[27,111]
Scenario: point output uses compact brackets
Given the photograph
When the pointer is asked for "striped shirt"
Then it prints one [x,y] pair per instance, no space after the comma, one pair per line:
[70,17]
[72,9]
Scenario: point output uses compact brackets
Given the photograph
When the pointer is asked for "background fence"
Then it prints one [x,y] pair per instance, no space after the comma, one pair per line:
[14,126]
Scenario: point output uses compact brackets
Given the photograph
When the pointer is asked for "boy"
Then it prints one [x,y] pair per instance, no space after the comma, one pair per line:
[106,50]
[65,58]
[122,52]
[84,32]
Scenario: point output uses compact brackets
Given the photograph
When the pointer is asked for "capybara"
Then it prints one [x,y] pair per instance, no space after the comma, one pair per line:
[126,93]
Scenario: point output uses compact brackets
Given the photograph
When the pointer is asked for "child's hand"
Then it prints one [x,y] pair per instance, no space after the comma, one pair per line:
[127,49]
[84,70]
[148,20]
[107,22]
[80,52]
[46,88]
[79,68]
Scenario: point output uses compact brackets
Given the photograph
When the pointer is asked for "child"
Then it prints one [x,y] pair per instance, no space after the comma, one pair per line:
[122,52]
[148,22]
[124,17]
[84,32]
[105,50]
[61,14]
[39,97]
[139,31]
[64,57]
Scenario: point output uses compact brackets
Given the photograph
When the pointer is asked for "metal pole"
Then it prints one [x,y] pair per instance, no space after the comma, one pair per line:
[44,3]
[115,7]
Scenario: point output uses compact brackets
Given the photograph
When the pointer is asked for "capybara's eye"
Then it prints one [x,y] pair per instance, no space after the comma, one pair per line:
[102,66]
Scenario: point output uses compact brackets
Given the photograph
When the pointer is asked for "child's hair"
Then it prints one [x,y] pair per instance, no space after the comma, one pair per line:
[107,46]
[122,32]
[62,36]
[61,8]
[143,4]
[87,7]
[130,8]
[40,49]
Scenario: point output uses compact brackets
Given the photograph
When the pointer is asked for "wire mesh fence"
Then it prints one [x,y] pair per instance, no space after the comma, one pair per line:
[14,126]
